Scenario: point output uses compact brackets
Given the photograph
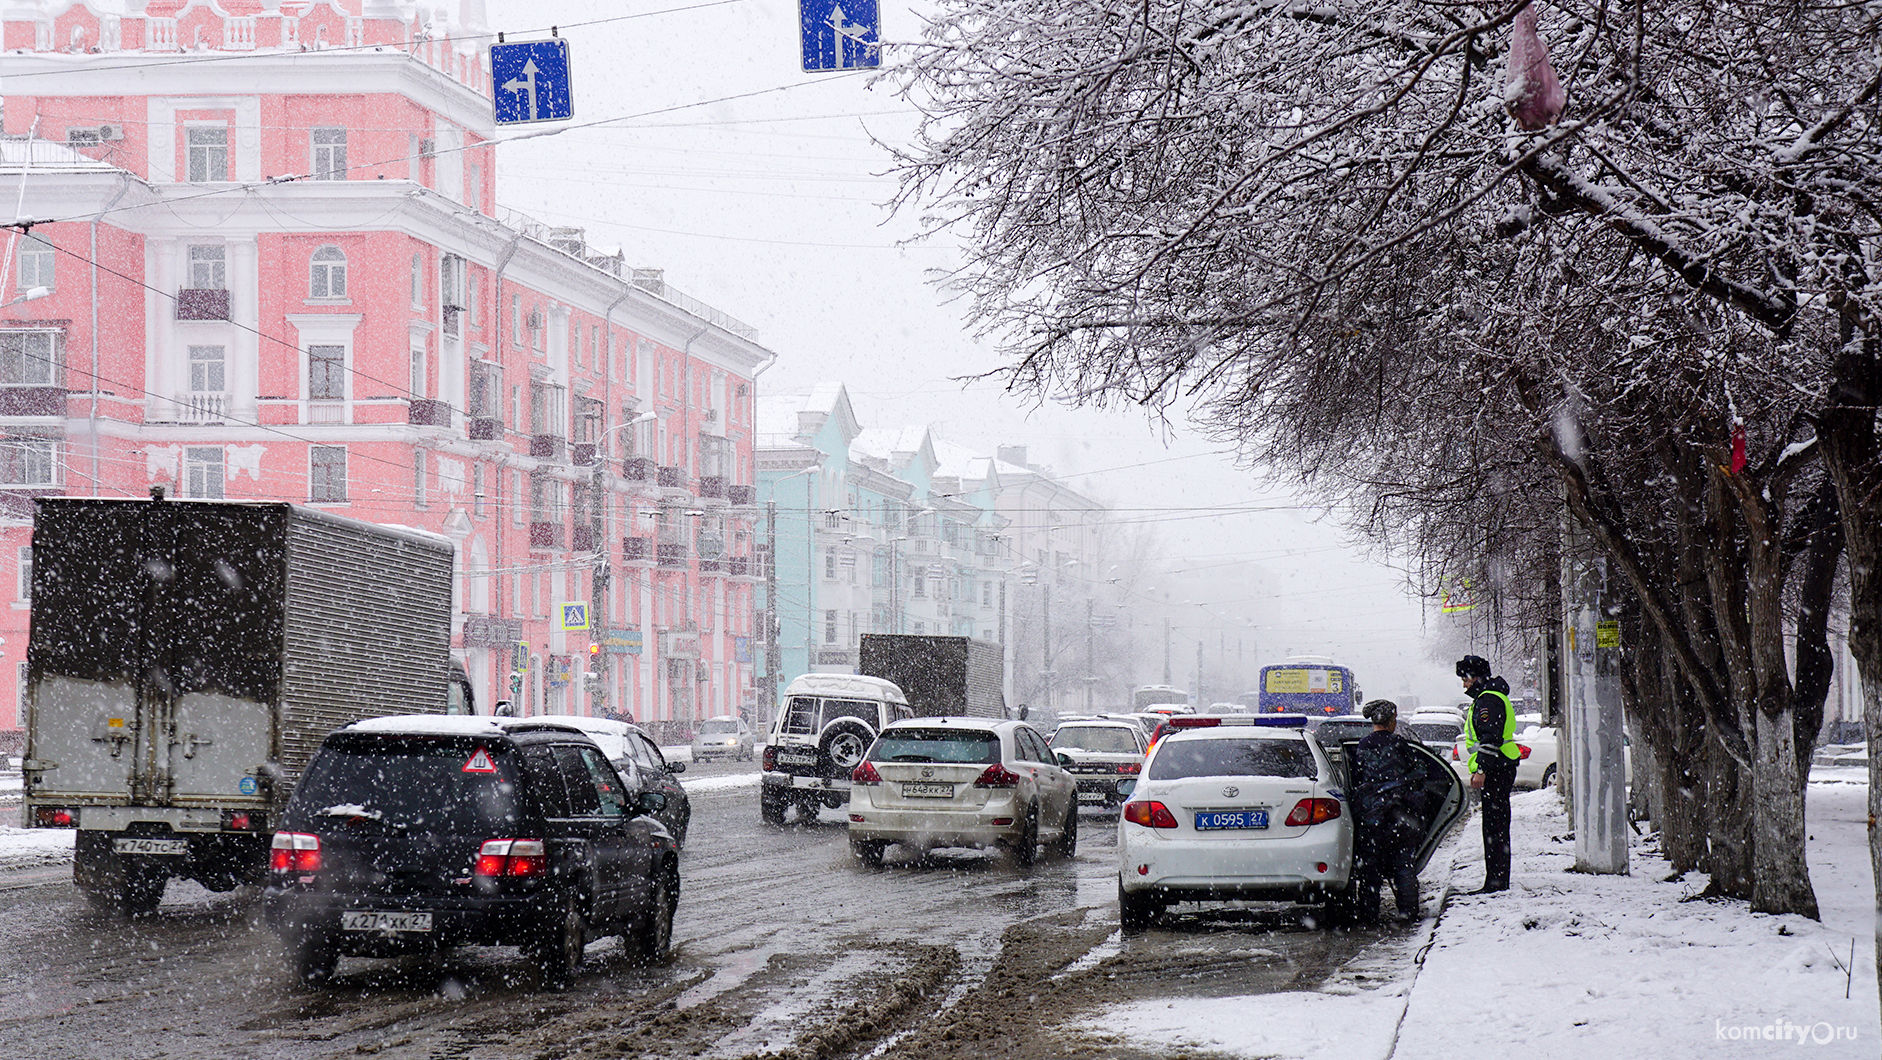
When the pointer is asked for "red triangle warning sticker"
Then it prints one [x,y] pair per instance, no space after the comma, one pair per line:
[480,762]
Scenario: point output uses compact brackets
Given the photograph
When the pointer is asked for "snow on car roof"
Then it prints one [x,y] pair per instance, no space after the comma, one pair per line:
[455,724]
[953,722]
[846,685]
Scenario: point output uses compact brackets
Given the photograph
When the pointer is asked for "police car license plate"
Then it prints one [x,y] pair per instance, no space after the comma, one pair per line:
[372,920]
[135,845]
[924,789]
[1215,819]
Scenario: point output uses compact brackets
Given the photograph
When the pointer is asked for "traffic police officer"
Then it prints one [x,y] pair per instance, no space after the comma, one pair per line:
[1489,733]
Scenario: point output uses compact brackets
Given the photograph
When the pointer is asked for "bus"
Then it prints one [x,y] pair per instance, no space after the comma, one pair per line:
[1147,696]
[1310,685]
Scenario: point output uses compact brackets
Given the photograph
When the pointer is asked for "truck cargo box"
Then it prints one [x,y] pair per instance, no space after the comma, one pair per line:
[941,676]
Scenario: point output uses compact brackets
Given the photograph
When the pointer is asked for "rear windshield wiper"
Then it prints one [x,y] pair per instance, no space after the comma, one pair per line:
[911,758]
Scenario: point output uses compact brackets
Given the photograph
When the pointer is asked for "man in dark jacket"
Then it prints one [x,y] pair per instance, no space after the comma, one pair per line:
[1490,735]
[1389,800]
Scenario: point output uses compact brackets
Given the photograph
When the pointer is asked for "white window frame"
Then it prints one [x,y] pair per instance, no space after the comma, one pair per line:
[213,157]
[208,369]
[315,386]
[327,161]
[37,263]
[326,275]
[321,492]
[21,366]
[204,472]
[37,459]
[25,573]
[207,267]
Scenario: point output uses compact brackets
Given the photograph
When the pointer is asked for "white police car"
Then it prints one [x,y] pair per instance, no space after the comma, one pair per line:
[1248,807]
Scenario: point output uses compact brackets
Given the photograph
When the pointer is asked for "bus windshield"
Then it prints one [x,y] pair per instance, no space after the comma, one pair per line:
[1158,695]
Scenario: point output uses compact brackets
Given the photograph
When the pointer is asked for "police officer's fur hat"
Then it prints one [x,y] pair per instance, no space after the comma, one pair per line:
[1380,711]
[1473,666]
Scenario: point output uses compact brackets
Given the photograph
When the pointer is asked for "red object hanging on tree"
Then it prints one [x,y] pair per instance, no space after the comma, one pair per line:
[1738,448]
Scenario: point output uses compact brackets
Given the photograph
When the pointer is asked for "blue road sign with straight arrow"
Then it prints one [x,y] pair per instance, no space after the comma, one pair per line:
[530,81]
[840,35]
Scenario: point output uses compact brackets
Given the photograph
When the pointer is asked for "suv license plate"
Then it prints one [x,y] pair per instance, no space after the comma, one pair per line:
[919,789]
[796,758]
[367,920]
[176,847]
[1091,796]
[1232,819]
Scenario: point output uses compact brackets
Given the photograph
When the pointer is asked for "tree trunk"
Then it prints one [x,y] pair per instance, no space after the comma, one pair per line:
[1730,837]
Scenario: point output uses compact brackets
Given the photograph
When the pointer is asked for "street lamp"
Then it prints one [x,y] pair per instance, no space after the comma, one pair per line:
[31,294]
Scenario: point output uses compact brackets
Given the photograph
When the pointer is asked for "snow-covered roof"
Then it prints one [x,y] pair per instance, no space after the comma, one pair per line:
[846,685]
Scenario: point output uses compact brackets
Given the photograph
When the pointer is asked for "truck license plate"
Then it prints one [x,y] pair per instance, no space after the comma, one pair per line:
[135,845]
[796,758]
[923,789]
[369,920]
[1232,819]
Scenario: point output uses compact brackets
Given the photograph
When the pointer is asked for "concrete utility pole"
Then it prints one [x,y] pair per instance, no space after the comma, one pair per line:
[1596,773]
[598,585]
[774,660]
[1091,658]
[1166,649]
[1045,588]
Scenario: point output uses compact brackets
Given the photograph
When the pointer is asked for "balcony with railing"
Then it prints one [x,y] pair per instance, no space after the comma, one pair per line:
[428,412]
[582,454]
[583,538]
[202,303]
[546,446]
[484,429]
[639,469]
[637,549]
[672,482]
[32,401]
[742,496]
[710,489]
[672,555]
[545,535]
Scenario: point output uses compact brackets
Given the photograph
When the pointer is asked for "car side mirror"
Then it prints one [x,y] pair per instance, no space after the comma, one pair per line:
[651,802]
[1125,787]
[676,767]
[1065,760]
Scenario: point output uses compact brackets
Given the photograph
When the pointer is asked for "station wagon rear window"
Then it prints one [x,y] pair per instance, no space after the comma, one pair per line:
[1179,759]
[937,745]
[407,785]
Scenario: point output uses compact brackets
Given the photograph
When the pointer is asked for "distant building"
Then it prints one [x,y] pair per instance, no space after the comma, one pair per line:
[275,270]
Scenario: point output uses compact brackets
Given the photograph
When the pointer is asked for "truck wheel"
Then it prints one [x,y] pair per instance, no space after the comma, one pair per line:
[771,808]
[843,745]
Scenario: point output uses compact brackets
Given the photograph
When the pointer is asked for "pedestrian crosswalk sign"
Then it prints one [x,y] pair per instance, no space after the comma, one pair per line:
[574,617]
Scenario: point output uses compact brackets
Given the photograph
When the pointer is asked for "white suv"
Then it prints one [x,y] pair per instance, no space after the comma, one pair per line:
[962,782]
[823,727]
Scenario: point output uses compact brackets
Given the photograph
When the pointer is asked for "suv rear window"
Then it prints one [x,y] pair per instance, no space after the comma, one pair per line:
[1103,739]
[1178,759]
[408,784]
[936,745]
[809,714]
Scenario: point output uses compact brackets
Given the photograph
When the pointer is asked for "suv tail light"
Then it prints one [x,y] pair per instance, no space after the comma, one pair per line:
[1313,811]
[1129,767]
[294,852]
[771,758]
[1149,814]
[512,858]
[997,776]
[865,774]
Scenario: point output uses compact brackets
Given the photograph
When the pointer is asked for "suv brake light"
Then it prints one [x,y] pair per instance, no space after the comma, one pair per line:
[771,758]
[512,858]
[294,852]
[1149,814]
[1313,811]
[997,776]
[1129,767]
[865,774]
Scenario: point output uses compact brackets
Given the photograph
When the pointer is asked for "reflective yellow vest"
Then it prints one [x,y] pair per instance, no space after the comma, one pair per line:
[1506,746]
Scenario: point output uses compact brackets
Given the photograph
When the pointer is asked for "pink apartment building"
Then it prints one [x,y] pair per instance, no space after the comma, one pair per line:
[242,283]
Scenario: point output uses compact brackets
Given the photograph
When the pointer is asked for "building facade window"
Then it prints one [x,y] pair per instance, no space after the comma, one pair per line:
[326,474]
[36,262]
[208,267]
[29,358]
[419,460]
[829,627]
[29,461]
[419,365]
[326,373]
[418,282]
[829,564]
[202,472]
[329,162]
[208,369]
[326,273]
[208,153]
[477,490]
[26,572]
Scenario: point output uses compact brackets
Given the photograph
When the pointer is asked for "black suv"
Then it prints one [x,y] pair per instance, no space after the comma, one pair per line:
[418,832]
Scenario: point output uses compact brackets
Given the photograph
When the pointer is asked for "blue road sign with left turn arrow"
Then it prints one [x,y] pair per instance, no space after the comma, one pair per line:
[530,81]
[840,35]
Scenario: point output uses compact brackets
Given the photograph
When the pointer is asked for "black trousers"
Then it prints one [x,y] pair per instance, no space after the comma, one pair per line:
[1383,851]
[1499,776]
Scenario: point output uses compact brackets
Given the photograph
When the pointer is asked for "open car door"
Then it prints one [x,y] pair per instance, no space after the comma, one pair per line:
[1445,796]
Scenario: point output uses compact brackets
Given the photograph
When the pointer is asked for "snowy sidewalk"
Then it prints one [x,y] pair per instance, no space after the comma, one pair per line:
[1567,966]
